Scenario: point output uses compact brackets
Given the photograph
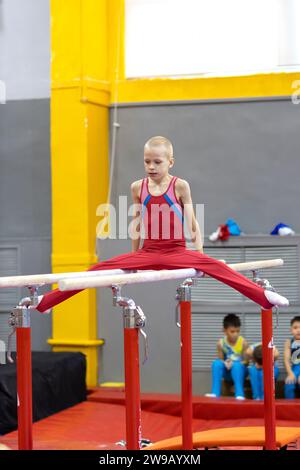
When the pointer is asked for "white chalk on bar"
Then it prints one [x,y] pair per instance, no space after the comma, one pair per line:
[154,276]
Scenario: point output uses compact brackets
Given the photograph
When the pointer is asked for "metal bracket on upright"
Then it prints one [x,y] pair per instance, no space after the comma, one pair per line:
[265,284]
[133,315]
[183,293]
[20,316]
[262,282]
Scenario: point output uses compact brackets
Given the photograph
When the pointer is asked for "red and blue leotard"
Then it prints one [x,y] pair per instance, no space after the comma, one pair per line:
[162,217]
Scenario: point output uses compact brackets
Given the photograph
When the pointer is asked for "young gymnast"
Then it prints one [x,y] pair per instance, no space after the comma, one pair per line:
[166,204]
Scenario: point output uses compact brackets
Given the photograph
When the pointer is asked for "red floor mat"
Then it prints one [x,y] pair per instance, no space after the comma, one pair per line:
[203,407]
[99,423]
[95,426]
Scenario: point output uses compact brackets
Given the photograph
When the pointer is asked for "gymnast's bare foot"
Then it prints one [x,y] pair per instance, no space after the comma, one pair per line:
[276,299]
[40,298]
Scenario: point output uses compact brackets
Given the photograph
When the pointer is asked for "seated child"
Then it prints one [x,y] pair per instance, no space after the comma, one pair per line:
[292,359]
[254,353]
[229,364]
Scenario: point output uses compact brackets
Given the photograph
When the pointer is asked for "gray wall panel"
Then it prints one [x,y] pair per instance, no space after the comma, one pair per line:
[25,196]
[241,158]
[34,255]
[25,190]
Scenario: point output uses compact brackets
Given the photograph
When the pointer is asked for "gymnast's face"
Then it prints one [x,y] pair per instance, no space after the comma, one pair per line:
[232,333]
[157,163]
[295,330]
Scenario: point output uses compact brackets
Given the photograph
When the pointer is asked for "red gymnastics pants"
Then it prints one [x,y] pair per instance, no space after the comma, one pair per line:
[174,258]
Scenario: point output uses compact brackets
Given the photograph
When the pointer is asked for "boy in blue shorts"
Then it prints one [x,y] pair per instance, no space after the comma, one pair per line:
[230,363]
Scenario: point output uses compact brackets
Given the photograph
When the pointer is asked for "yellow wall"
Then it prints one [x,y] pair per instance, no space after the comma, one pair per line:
[182,89]
[80,98]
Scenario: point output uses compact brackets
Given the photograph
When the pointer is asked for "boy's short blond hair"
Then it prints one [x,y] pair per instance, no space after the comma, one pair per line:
[160,141]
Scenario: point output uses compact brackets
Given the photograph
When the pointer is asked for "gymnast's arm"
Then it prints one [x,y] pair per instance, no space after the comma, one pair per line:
[192,225]
[135,225]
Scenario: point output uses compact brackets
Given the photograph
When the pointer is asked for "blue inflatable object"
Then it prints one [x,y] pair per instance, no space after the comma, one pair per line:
[233,227]
[276,230]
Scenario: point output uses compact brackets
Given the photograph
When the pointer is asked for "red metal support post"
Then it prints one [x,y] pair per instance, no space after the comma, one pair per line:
[186,375]
[132,388]
[24,379]
[269,383]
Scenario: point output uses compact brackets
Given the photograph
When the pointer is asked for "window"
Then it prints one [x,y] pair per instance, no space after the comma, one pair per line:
[211,37]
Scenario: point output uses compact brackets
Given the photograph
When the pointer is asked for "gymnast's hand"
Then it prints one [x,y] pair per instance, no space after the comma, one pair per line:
[291,379]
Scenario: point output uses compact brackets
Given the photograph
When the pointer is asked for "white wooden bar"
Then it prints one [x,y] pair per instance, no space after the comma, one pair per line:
[154,276]
[43,279]
[134,278]
[52,278]
[256,265]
